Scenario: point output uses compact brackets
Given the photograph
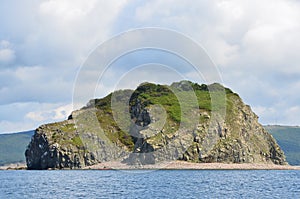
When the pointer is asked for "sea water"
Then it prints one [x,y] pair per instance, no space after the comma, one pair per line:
[150,184]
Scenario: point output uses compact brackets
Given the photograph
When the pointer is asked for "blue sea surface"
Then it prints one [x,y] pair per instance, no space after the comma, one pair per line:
[150,184]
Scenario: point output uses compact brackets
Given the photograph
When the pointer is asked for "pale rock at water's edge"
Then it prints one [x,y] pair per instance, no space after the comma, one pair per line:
[159,123]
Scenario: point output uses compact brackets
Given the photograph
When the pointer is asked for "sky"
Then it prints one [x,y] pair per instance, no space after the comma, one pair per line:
[43,44]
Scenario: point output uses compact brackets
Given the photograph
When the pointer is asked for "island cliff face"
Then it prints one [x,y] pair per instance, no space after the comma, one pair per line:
[157,123]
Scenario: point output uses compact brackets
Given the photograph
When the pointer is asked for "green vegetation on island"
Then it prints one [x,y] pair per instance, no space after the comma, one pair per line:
[187,121]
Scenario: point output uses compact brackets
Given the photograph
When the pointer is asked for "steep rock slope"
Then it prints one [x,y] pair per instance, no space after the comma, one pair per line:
[185,121]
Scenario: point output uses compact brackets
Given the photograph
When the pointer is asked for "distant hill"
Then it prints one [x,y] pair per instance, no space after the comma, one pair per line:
[288,138]
[12,147]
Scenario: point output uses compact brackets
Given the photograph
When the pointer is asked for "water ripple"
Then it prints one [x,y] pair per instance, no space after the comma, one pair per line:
[155,184]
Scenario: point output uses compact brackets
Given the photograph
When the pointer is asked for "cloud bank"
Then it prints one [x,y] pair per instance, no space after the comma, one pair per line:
[255,45]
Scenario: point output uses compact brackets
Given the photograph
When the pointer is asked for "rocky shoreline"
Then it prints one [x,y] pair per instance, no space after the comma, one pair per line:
[17,166]
[173,165]
[182,165]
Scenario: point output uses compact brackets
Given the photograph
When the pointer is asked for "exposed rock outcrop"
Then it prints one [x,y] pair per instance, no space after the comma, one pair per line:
[44,153]
[158,123]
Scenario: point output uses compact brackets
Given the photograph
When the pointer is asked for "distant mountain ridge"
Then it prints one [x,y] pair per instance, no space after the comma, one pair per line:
[288,138]
[12,146]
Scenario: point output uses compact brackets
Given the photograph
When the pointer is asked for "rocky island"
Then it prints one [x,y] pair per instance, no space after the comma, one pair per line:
[153,125]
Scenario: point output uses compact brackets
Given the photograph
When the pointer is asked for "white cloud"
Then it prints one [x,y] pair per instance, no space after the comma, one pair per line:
[292,115]
[65,10]
[50,113]
[234,32]
[267,115]
[57,33]
[22,116]
[200,20]
[7,55]
[37,84]
[4,44]
[51,39]
[13,127]
[254,43]
[61,33]
[278,114]
[79,25]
